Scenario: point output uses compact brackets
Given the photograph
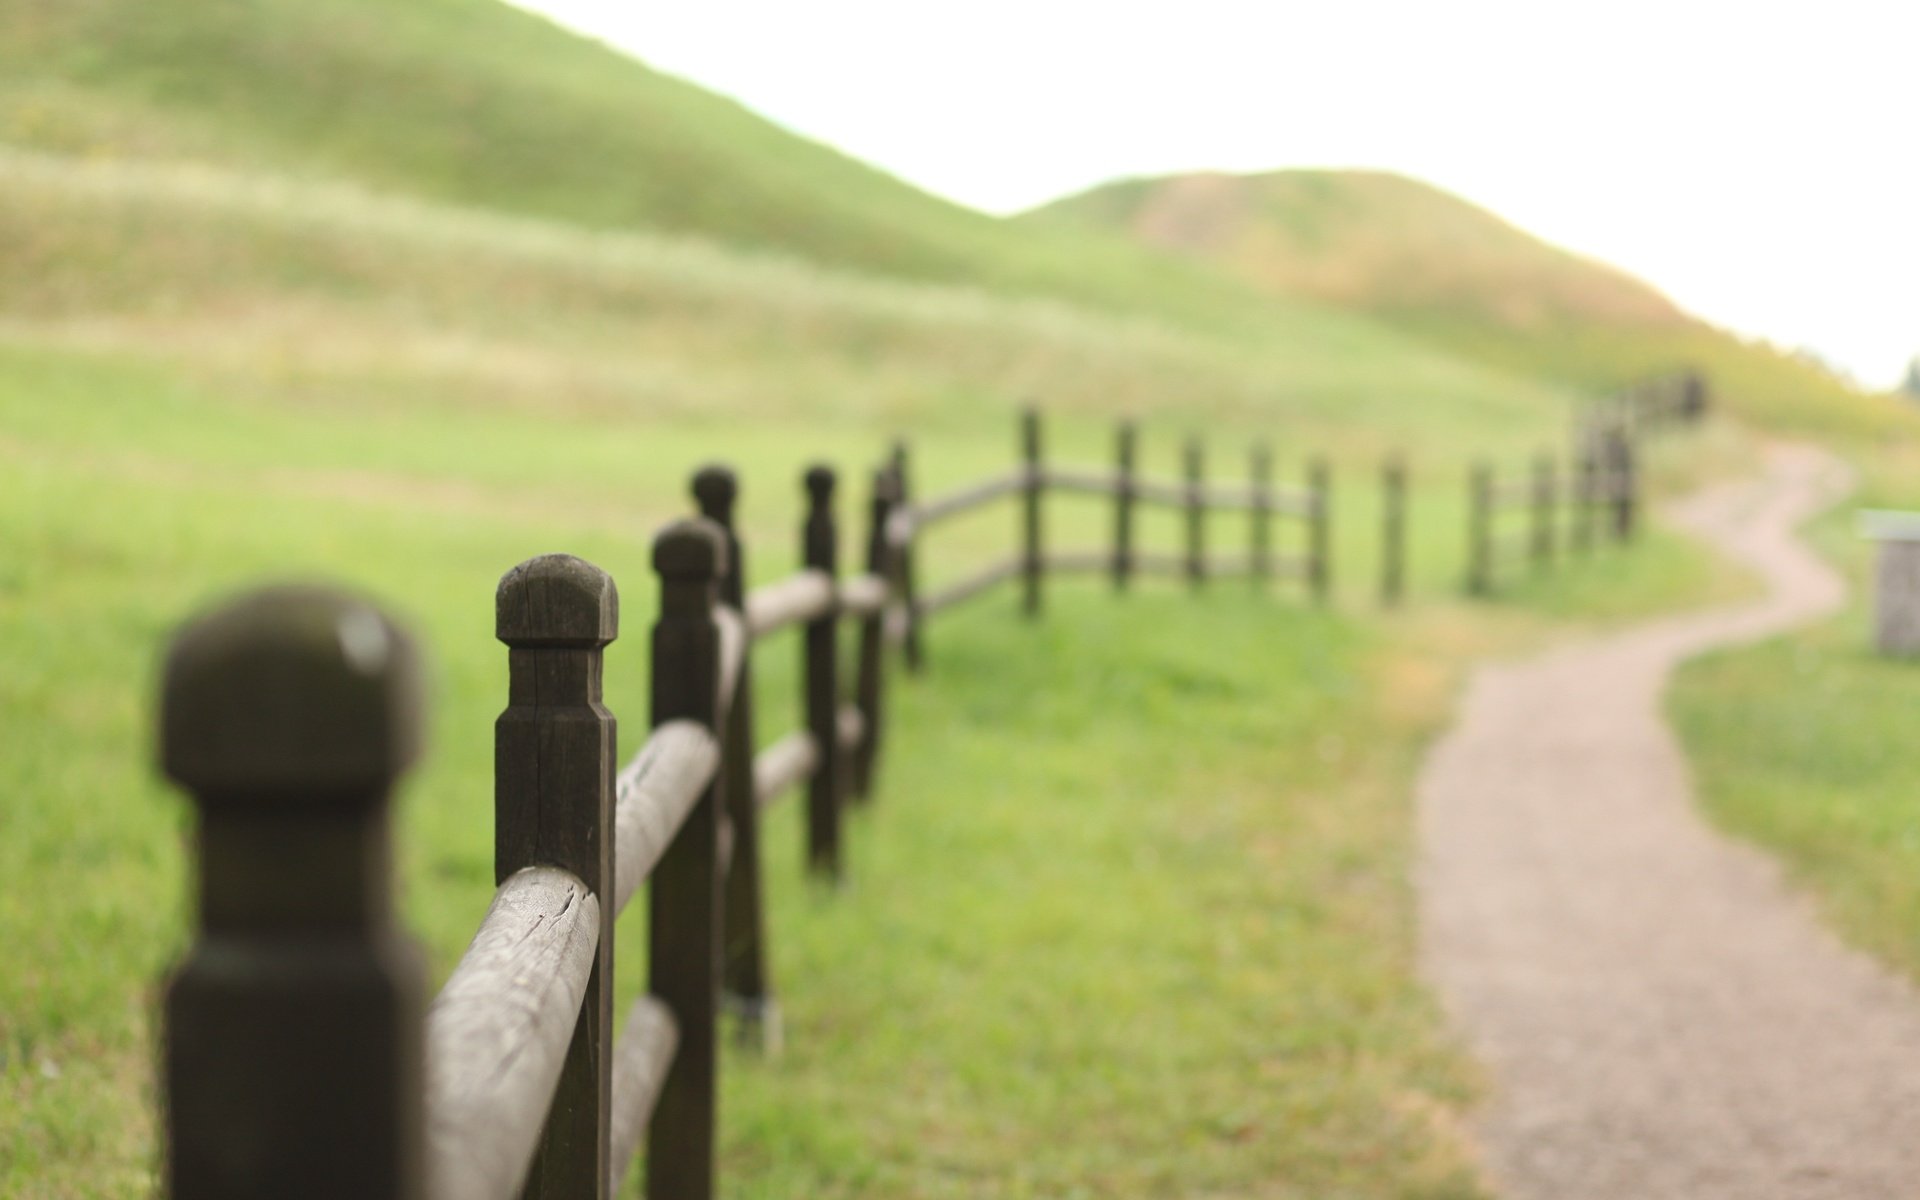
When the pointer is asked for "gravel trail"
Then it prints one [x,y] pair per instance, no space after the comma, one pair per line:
[1659,1015]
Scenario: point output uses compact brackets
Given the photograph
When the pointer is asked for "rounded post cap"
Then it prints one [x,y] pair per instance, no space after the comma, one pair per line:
[692,548]
[556,600]
[290,697]
[819,483]
[716,487]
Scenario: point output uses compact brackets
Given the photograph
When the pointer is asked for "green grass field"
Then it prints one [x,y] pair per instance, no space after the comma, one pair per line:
[400,295]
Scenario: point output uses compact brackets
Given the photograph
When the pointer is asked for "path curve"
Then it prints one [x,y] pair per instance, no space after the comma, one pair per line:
[1659,1015]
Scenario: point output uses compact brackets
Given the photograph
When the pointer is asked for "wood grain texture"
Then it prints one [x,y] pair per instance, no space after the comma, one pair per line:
[499,1032]
[553,772]
[654,794]
[641,1059]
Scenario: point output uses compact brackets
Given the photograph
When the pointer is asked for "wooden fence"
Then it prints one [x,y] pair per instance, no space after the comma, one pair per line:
[1533,518]
[301,1057]
[1033,478]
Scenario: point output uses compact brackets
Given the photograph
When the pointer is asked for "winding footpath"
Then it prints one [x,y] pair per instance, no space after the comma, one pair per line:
[1659,1015]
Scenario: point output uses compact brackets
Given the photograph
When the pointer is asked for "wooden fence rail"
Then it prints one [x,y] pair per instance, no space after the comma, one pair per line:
[301,1058]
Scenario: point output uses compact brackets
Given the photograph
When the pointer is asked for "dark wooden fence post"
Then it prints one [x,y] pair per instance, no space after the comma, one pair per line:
[553,768]
[1320,530]
[1260,518]
[1125,447]
[1585,486]
[820,549]
[1693,397]
[1625,484]
[293,1026]
[1480,530]
[744,980]
[1196,515]
[684,897]
[1032,565]
[905,567]
[1393,531]
[1545,502]
[870,671]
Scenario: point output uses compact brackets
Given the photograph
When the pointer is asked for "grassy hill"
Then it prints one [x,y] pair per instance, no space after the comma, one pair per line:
[1435,266]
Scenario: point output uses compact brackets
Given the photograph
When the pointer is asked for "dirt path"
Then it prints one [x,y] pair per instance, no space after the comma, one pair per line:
[1660,1017]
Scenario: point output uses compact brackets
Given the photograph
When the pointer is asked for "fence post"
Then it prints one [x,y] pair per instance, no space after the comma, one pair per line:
[1393,531]
[1545,497]
[292,1059]
[1585,490]
[553,768]
[1031,563]
[1480,530]
[1196,515]
[905,566]
[1626,486]
[870,672]
[1693,398]
[820,687]
[743,948]
[684,891]
[1126,444]
[1320,531]
[1260,519]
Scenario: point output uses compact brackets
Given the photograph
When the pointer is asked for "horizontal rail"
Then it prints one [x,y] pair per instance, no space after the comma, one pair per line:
[863,595]
[498,1033]
[733,652]
[967,589]
[1093,483]
[1159,564]
[641,1056]
[1155,492]
[782,765]
[653,796]
[805,596]
[1080,560]
[954,503]
[850,726]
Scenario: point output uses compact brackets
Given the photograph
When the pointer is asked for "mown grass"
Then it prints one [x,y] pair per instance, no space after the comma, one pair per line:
[1801,743]
[1130,915]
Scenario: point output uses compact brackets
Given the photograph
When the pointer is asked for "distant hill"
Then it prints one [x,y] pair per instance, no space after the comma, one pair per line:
[474,102]
[1369,240]
[1434,265]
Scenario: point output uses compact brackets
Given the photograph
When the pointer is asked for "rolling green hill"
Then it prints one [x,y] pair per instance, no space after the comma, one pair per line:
[1434,265]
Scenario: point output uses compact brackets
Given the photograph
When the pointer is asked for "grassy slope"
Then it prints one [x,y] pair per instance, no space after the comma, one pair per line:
[465,100]
[258,366]
[1437,267]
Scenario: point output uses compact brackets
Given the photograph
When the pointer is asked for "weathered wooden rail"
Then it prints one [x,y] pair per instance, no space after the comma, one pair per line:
[301,1056]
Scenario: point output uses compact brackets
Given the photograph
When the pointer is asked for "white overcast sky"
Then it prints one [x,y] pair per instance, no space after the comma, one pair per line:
[1759,162]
